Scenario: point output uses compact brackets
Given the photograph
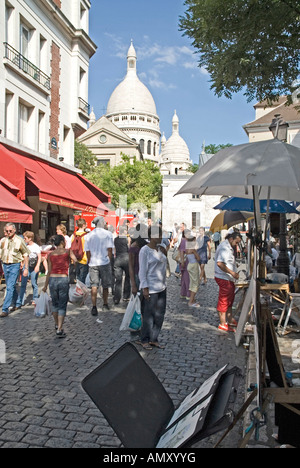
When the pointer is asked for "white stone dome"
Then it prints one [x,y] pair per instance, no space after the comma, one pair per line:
[132,109]
[131,95]
[175,149]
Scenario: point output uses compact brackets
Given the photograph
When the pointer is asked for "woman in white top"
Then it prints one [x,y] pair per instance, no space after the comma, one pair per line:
[152,276]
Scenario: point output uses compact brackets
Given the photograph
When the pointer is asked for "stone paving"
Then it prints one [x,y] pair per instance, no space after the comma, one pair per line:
[42,402]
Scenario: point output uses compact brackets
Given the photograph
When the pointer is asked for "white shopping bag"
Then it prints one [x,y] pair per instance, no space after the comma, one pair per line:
[42,307]
[78,293]
[132,320]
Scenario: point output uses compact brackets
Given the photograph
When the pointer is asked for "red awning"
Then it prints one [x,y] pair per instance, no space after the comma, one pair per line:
[13,210]
[54,184]
[76,195]
[96,190]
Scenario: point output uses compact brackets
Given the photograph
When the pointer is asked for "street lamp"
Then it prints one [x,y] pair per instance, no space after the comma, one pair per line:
[279,129]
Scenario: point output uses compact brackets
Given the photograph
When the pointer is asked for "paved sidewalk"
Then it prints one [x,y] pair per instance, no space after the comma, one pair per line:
[42,403]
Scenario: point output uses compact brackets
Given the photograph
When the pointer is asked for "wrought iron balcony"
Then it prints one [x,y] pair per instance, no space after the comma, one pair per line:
[84,106]
[26,66]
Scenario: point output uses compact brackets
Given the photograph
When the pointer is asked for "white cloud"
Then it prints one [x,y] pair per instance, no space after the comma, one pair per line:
[155,83]
[156,58]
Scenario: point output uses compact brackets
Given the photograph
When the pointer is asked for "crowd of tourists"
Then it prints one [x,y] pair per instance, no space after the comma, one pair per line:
[132,261]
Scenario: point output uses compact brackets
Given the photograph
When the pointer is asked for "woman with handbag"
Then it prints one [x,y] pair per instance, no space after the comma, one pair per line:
[58,281]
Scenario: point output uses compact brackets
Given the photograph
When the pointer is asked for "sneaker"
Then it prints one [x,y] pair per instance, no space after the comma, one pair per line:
[233,323]
[94,311]
[60,334]
[226,328]
[14,308]
[105,307]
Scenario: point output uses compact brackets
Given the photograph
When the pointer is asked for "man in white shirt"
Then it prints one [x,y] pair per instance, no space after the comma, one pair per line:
[225,276]
[98,246]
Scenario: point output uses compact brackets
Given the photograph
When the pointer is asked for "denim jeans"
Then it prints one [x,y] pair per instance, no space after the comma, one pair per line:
[59,292]
[11,273]
[33,278]
[153,312]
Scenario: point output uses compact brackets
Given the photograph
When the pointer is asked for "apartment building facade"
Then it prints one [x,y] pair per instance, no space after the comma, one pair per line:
[46,49]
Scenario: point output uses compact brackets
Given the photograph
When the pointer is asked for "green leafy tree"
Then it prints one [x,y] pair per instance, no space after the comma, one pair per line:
[140,181]
[249,45]
[83,158]
[213,149]
[209,149]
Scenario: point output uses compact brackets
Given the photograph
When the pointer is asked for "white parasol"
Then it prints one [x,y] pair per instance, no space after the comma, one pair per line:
[272,166]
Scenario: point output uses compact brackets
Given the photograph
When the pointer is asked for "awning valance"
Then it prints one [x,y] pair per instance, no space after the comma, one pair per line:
[13,210]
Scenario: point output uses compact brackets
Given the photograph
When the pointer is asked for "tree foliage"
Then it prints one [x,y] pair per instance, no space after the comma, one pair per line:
[209,149]
[246,45]
[213,149]
[140,181]
[84,159]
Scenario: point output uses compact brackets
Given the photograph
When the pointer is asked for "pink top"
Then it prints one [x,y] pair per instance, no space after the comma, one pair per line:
[60,264]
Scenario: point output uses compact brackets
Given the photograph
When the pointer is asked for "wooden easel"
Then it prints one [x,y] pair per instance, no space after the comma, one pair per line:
[265,335]
[284,395]
[267,344]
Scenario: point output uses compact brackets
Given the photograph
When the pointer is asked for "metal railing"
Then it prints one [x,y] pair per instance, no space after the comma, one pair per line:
[84,106]
[26,66]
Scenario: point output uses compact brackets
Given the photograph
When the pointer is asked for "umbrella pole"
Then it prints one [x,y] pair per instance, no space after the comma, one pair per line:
[267,213]
[257,215]
[257,246]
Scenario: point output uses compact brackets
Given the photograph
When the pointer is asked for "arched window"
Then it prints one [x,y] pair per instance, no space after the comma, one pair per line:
[149,147]
[154,149]
[142,145]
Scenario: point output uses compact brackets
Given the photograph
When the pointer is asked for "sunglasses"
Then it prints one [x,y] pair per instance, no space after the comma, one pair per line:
[6,230]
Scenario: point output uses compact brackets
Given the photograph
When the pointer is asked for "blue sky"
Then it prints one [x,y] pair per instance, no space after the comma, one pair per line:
[167,65]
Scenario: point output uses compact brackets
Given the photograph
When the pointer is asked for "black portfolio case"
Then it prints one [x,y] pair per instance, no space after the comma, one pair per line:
[142,414]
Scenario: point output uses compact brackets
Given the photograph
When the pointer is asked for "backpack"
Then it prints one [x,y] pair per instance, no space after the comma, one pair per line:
[77,247]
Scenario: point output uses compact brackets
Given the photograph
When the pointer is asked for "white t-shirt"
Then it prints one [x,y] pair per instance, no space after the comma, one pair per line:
[97,242]
[68,241]
[225,254]
[35,250]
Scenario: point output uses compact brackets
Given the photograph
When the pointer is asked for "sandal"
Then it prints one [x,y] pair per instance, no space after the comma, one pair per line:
[156,344]
[146,346]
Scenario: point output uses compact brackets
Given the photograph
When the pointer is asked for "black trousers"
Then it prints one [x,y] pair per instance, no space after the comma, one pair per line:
[122,267]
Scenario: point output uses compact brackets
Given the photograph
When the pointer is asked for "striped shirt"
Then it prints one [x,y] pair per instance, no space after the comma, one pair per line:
[13,250]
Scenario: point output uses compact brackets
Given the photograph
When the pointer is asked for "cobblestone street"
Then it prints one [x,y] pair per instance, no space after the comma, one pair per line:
[42,402]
